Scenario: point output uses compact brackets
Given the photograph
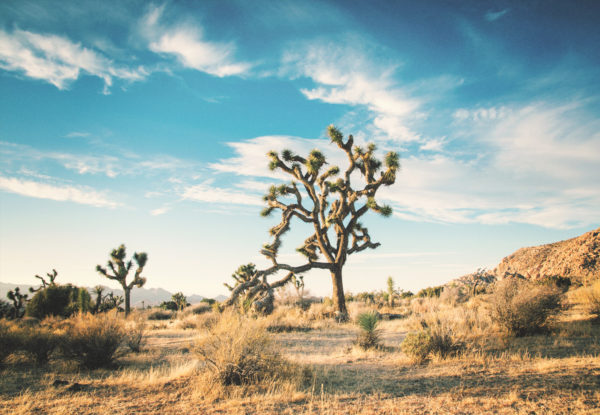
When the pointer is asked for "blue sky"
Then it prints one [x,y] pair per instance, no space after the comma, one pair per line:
[148,124]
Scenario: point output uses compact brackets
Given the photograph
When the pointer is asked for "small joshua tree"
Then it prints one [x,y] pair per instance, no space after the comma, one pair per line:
[98,290]
[180,300]
[120,269]
[18,300]
[390,291]
[337,230]
[254,294]
[51,276]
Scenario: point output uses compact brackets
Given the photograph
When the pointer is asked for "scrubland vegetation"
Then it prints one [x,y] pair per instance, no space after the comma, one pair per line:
[514,347]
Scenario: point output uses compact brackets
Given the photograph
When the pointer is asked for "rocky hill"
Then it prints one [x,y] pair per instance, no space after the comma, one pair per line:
[577,258]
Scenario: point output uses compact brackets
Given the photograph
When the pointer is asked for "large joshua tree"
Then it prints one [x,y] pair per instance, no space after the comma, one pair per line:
[120,269]
[333,207]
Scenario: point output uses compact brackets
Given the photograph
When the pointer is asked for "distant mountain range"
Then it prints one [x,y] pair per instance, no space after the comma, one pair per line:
[139,296]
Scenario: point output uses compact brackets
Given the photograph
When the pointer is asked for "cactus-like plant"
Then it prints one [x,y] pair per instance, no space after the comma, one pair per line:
[120,270]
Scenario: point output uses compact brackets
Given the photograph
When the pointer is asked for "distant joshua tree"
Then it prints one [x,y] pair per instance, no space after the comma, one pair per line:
[120,270]
[18,300]
[180,300]
[337,230]
[390,291]
[51,276]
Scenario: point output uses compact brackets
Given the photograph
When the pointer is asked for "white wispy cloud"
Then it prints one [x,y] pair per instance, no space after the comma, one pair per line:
[58,60]
[77,134]
[160,211]
[128,164]
[537,164]
[481,114]
[491,16]
[251,155]
[206,192]
[59,192]
[185,41]
[346,73]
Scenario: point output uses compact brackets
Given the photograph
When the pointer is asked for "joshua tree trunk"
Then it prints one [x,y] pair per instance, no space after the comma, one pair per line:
[127,293]
[339,300]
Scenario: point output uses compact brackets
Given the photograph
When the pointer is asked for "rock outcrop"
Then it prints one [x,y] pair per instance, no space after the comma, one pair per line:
[577,258]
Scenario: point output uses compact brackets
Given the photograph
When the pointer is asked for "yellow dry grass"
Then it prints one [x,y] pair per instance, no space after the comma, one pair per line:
[546,374]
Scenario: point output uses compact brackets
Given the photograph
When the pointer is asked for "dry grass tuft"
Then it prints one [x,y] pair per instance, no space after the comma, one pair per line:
[10,340]
[239,351]
[134,335]
[589,298]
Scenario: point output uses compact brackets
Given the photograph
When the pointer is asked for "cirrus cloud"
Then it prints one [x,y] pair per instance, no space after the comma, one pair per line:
[58,60]
[58,192]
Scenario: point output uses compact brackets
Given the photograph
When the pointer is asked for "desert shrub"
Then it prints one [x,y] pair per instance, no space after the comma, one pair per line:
[589,297]
[134,336]
[453,295]
[239,351]
[369,336]
[201,308]
[523,308]
[161,315]
[406,294]
[169,305]
[39,343]
[417,345]
[5,309]
[58,300]
[207,321]
[93,340]
[443,341]
[10,339]
[557,281]
[430,292]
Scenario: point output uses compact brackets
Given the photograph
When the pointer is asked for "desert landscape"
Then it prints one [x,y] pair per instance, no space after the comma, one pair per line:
[299,207]
[453,350]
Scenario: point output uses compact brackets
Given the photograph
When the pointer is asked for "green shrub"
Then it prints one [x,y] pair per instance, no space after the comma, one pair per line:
[5,309]
[10,339]
[58,300]
[430,292]
[169,305]
[239,351]
[369,336]
[417,345]
[93,340]
[523,308]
